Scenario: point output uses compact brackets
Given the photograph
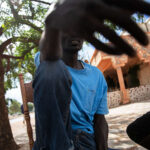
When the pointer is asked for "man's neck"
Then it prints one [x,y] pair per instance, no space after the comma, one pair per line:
[72,60]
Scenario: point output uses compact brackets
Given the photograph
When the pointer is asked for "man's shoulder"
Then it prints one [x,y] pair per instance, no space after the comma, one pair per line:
[92,68]
[96,73]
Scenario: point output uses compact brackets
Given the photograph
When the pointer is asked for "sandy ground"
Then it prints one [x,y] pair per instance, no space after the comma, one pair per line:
[20,132]
[118,119]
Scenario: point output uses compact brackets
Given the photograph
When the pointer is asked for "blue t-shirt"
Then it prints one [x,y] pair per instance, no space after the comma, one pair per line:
[89,95]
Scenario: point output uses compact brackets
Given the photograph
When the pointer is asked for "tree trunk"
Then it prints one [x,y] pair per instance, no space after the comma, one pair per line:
[6,138]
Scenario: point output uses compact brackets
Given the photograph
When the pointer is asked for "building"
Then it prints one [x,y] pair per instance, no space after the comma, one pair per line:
[127,77]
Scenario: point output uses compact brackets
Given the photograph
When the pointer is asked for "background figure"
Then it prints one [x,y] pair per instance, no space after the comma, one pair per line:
[22,111]
[139,130]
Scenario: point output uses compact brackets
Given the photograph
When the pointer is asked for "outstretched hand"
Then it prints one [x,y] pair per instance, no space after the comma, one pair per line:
[83,18]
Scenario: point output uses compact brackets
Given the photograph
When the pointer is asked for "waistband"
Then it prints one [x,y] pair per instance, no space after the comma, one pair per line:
[79,132]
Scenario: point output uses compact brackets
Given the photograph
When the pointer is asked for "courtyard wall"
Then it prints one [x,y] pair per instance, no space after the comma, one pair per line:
[137,94]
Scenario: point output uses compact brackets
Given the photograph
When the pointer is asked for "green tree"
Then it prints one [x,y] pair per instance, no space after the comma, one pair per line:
[21,23]
[8,101]
[15,107]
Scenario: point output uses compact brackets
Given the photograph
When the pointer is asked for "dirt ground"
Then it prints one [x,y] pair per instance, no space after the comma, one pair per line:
[118,119]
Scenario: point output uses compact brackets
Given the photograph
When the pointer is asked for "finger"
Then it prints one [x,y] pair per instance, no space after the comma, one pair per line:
[113,37]
[129,25]
[106,48]
[120,18]
[90,25]
[132,5]
[88,36]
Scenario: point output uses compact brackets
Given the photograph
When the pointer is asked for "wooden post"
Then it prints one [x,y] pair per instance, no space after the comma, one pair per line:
[26,112]
[125,98]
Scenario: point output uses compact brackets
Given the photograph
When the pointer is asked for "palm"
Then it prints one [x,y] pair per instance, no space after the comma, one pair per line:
[83,18]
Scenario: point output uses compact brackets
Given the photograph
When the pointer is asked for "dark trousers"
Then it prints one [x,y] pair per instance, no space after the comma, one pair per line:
[139,130]
[83,140]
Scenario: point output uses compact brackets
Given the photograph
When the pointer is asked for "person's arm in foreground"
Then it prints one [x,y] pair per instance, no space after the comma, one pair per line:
[101,132]
[83,18]
[139,130]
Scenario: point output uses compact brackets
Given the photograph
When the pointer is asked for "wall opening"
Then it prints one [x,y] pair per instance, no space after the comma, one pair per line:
[131,78]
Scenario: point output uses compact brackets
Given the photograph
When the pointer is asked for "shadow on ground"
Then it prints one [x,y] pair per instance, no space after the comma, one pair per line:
[118,119]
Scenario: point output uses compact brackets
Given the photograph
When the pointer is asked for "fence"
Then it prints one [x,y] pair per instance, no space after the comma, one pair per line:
[137,94]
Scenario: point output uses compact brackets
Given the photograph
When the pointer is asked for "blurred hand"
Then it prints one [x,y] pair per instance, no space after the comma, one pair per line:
[83,18]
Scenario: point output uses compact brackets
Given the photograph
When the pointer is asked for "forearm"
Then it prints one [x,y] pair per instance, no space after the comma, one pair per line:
[101,133]
[50,44]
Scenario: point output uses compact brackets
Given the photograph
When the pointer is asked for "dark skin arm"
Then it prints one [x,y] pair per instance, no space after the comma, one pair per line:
[82,18]
[101,132]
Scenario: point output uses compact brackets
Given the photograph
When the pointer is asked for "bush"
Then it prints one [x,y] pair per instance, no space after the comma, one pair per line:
[30,107]
[14,107]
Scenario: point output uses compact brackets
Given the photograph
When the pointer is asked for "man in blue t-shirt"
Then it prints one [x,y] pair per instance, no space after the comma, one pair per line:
[89,99]
[52,84]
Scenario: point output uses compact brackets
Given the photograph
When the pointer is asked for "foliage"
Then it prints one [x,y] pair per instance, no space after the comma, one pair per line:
[22,23]
[30,107]
[8,101]
[14,107]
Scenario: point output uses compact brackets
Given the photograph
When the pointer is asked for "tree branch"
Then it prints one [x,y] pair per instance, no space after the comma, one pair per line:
[19,39]
[14,12]
[10,56]
[32,13]
[8,65]
[27,40]
[39,1]
[21,19]
[1,31]
[32,10]
[5,44]
[31,25]
[27,51]
[26,17]
[17,57]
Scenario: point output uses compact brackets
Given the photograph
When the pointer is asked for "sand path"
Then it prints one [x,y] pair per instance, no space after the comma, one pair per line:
[118,119]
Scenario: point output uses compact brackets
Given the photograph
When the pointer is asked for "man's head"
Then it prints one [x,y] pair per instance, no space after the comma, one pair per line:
[71,44]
